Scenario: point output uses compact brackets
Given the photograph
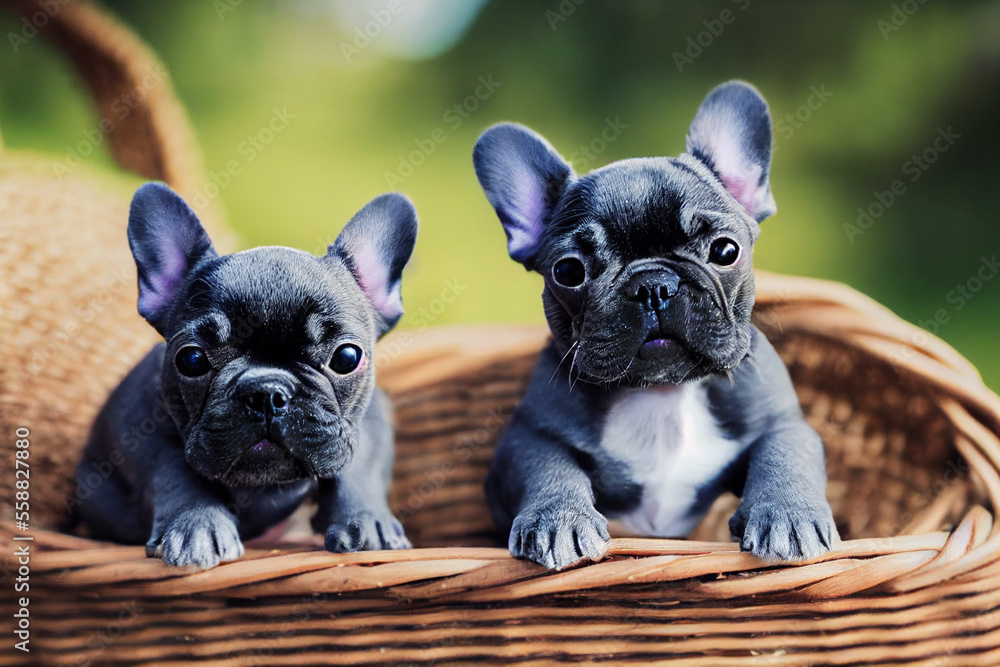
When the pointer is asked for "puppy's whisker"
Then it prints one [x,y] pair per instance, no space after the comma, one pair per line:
[571,347]
[625,372]
[235,461]
[572,365]
[559,365]
[696,366]
[620,377]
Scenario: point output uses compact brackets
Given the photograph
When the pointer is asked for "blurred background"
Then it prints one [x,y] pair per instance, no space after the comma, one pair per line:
[886,128]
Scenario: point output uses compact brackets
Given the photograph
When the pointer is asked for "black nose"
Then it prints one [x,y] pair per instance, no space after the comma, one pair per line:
[653,288]
[268,402]
[266,394]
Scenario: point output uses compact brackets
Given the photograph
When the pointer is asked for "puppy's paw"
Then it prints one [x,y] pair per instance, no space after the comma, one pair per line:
[785,530]
[557,536]
[366,531]
[202,538]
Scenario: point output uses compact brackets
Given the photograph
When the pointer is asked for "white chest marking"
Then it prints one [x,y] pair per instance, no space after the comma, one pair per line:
[672,446]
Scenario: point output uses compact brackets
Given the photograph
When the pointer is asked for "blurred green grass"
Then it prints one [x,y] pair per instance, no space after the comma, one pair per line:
[354,122]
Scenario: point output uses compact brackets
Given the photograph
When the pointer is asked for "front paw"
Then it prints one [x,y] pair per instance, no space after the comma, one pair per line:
[366,531]
[557,536]
[785,530]
[201,537]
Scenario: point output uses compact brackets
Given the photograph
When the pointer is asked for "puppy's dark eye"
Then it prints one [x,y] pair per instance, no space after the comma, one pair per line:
[346,358]
[192,361]
[569,272]
[723,252]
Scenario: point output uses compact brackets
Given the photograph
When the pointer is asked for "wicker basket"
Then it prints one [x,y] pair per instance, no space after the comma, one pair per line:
[68,324]
[914,468]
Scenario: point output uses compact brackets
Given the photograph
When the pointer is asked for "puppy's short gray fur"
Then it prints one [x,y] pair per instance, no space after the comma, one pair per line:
[656,392]
[191,465]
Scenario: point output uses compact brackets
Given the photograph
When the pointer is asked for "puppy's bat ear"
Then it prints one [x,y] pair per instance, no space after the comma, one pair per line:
[523,177]
[375,245]
[731,133]
[167,241]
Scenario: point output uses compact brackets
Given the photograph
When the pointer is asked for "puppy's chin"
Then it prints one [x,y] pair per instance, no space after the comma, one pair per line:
[265,464]
[248,457]
[667,359]
[661,361]
[671,361]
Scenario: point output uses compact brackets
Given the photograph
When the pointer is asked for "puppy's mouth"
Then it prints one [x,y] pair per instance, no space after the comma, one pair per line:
[658,342]
[268,445]
[267,461]
[269,450]
[307,440]
[265,446]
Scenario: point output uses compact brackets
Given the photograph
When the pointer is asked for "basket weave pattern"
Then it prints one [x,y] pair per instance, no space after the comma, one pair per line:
[913,458]
[68,324]
[912,448]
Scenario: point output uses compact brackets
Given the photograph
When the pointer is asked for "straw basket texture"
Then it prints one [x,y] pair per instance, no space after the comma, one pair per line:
[913,461]
[68,329]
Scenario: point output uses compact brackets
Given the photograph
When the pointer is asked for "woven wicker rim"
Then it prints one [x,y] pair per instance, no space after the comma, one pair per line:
[482,575]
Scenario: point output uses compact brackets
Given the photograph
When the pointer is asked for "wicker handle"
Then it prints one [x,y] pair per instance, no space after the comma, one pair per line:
[146,126]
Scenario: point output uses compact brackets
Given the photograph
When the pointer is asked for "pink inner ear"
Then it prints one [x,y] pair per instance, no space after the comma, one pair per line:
[739,177]
[373,276]
[164,283]
[527,211]
[532,202]
[743,188]
[716,138]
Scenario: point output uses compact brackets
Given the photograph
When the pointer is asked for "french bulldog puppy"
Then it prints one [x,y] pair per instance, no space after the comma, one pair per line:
[263,393]
[656,392]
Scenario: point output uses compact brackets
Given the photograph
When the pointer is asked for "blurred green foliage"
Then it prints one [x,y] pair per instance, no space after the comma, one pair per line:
[890,86]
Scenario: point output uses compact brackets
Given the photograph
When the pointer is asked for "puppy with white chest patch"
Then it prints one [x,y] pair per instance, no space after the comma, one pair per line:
[263,393]
[656,393]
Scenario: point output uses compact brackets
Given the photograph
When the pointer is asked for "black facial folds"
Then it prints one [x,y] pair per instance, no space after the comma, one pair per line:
[648,276]
[268,369]
[647,261]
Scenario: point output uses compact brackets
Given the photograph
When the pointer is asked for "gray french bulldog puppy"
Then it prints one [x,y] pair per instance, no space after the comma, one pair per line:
[262,395]
[656,392]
